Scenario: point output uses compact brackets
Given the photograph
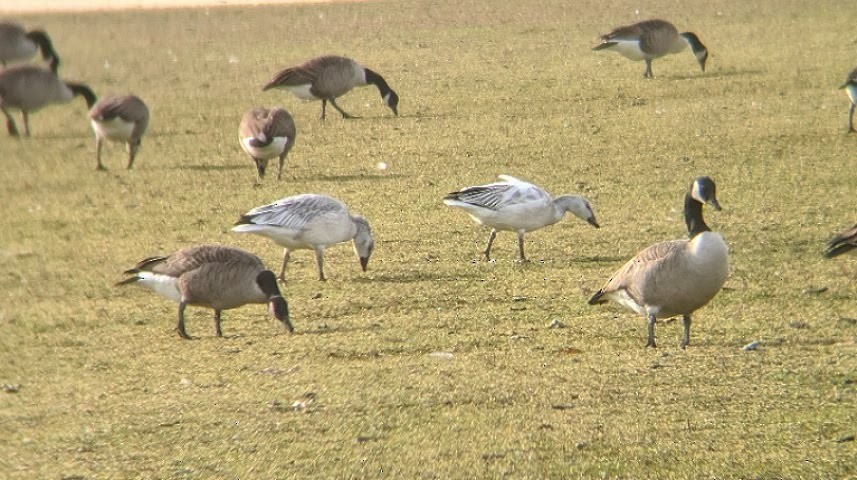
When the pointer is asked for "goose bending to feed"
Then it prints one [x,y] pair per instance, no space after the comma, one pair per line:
[328,78]
[17,45]
[850,87]
[119,118]
[28,88]
[517,206]
[675,277]
[212,276]
[265,134]
[652,39]
[309,221]
[842,243]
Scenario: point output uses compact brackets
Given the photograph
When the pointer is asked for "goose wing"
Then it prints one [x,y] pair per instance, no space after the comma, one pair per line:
[193,258]
[496,196]
[293,77]
[646,268]
[842,243]
[292,212]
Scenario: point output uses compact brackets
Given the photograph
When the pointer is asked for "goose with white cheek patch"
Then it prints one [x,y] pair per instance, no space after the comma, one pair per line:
[517,206]
[212,276]
[329,77]
[265,134]
[119,118]
[850,87]
[652,39]
[19,45]
[844,242]
[310,222]
[28,88]
[676,277]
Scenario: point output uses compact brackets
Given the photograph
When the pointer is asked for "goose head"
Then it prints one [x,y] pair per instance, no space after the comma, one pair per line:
[579,207]
[392,101]
[363,242]
[704,191]
[267,282]
[699,50]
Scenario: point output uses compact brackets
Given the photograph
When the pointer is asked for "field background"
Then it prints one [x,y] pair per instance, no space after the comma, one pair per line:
[434,363]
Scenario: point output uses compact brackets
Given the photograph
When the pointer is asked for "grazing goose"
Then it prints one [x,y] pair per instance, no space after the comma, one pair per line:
[652,39]
[212,276]
[122,118]
[309,221]
[328,78]
[675,277]
[842,243]
[265,134]
[850,87]
[16,45]
[517,206]
[28,88]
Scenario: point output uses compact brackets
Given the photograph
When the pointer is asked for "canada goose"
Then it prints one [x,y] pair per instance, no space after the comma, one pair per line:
[122,118]
[309,221]
[676,277]
[850,87]
[328,78]
[265,134]
[28,88]
[212,276]
[16,44]
[517,206]
[649,40]
[842,243]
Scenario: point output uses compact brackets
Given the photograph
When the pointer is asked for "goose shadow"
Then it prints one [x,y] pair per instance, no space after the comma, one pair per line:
[738,72]
[213,168]
[354,177]
[416,277]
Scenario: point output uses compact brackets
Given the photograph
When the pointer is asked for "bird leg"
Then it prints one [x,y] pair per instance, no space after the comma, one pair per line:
[99,143]
[851,119]
[280,166]
[10,124]
[686,340]
[260,169]
[648,73]
[319,260]
[180,327]
[217,330]
[521,255]
[491,238]
[323,108]
[651,342]
[343,112]
[282,276]
[26,123]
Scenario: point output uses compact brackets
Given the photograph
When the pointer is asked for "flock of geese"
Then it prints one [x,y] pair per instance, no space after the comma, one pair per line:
[664,280]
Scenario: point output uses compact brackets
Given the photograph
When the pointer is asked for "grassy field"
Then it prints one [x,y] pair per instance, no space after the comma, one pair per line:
[434,363]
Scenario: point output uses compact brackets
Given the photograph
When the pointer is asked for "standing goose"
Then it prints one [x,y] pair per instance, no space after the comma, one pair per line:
[675,277]
[309,221]
[850,87]
[517,206]
[16,45]
[28,88]
[212,276]
[122,118]
[652,39]
[328,78]
[842,243]
[265,134]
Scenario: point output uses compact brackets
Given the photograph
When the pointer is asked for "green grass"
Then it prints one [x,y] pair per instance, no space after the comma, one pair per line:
[108,390]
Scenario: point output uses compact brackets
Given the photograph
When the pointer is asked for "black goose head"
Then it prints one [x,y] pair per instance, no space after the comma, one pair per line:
[699,50]
[279,306]
[702,191]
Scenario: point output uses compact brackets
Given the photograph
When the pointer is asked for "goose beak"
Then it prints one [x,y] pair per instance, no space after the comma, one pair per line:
[592,222]
[395,110]
[364,262]
[715,204]
[280,309]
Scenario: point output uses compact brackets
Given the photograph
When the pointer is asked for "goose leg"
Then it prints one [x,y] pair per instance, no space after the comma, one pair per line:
[648,73]
[521,255]
[651,342]
[282,276]
[343,112]
[99,143]
[26,123]
[217,330]
[280,167]
[260,169]
[10,124]
[686,340]
[319,260]
[490,242]
[323,108]
[180,327]
[851,119]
